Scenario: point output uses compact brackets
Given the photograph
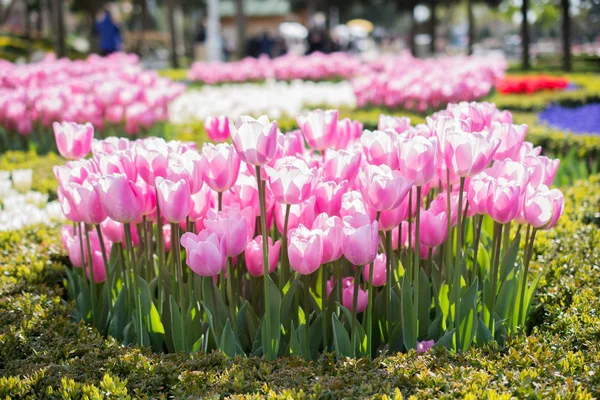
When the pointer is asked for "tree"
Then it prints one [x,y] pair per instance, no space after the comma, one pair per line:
[240,20]
[91,9]
[59,21]
[566,34]
[525,64]
[172,33]
[432,26]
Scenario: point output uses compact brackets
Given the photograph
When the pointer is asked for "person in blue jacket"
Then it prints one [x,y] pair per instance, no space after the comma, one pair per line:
[109,35]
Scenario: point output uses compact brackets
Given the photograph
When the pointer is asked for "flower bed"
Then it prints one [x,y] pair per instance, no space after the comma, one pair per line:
[109,92]
[44,353]
[583,119]
[531,84]
[276,99]
[421,188]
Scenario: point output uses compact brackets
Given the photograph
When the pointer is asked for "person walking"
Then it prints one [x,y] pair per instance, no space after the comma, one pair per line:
[109,35]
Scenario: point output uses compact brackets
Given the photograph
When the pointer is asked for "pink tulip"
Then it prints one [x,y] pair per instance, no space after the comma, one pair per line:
[510,170]
[382,188]
[478,192]
[121,162]
[329,196]
[418,159]
[381,148]
[332,228]
[543,207]
[67,205]
[305,249]
[398,124]
[152,163]
[348,296]
[115,231]
[166,232]
[542,170]
[233,226]
[360,239]
[468,154]
[73,246]
[87,202]
[291,181]
[390,219]
[293,143]
[341,165]
[434,228]
[73,141]
[424,347]
[379,271]
[255,140]
[173,199]
[220,166]
[511,139]
[303,213]
[120,198]
[353,203]
[217,128]
[98,268]
[186,166]
[319,128]
[347,132]
[205,252]
[503,201]
[254,256]
[200,203]
[72,171]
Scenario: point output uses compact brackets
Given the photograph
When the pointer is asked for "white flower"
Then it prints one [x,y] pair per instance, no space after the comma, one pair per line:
[22,179]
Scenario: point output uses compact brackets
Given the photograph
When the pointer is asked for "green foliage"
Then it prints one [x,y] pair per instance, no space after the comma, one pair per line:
[45,354]
[45,181]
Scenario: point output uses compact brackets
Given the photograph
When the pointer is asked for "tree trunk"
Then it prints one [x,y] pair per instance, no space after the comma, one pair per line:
[60,28]
[172,33]
[412,33]
[311,8]
[240,19]
[525,35]
[28,38]
[92,31]
[40,20]
[432,27]
[143,27]
[471,20]
[566,35]
[5,12]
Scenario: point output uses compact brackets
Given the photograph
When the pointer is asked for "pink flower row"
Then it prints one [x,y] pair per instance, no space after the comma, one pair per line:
[317,66]
[102,91]
[337,194]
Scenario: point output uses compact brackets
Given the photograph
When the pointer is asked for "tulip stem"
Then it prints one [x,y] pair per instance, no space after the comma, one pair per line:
[528,255]
[176,249]
[496,259]
[410,253]
[370,312]
[284,265]
[449,241]
[355,306]
[324,308]
[130,270]
[220,200]
[161,255]
[477,234]
[230,294]
[270,351]
[92,280]
[388,286]
[307,316]
[417,257]
[338,282]
[102,248]
[458,264]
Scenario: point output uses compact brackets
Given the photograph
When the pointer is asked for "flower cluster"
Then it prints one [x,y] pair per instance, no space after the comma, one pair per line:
[276,99]
[531,84]
[420,84]
[20,206]
[113,90]
[316,66]
[582,119]
[288,237]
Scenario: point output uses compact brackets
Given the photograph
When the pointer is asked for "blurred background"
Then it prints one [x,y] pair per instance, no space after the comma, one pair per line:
[532,34]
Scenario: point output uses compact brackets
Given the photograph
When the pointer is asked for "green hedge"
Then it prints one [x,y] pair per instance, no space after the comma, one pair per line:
[44,354]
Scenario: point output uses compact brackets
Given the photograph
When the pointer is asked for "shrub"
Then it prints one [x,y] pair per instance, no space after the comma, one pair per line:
[44,354]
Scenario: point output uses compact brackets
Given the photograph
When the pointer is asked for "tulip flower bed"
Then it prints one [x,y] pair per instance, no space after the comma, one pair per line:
[114,93]
[531,84]
[397,239]
[316,67]
[43,353]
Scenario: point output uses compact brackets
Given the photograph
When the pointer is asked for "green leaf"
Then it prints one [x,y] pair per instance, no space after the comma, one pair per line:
[529,294]
[270,339]
[257,349]
[510,258]
[468,316]
[341,340]
[506,297]
[177,326]
[316,335]
[288,301]
[229,343]
[424,303]
[409,319]
[295,346]
[150,315]
[361,338]
[483,333]
[447,340]
[120,317]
